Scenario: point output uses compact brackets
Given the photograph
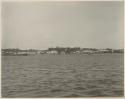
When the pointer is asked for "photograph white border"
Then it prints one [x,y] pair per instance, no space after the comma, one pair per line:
[54,1]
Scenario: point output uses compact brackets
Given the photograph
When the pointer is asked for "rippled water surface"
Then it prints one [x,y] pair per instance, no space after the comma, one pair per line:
[63,76]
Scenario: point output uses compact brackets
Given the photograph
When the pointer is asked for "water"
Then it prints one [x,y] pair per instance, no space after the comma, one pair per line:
[62,76]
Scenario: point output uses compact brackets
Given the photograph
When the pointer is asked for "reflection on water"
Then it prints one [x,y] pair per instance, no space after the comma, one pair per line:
[62,76]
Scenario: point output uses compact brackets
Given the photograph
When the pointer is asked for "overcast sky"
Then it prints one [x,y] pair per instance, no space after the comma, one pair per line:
[39,25]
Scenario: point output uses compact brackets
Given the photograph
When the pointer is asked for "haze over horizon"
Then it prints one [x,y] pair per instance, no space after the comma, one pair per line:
[39,25]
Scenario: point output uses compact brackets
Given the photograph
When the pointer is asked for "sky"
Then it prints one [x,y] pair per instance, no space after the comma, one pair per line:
[86,24]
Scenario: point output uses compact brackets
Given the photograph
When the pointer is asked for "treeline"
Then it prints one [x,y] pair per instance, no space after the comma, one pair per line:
[59,50]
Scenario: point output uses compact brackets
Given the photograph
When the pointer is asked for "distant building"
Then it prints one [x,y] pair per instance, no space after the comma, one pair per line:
[106,50]
[52,52]
[76,52]
[87,51]
[21,52]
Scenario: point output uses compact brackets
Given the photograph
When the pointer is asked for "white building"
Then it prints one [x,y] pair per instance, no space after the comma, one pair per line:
[52,52]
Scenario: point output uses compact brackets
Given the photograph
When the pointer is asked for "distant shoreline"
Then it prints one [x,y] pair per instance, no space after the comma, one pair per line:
[64,54]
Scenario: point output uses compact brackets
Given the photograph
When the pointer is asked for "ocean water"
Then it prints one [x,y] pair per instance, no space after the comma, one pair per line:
[99,75]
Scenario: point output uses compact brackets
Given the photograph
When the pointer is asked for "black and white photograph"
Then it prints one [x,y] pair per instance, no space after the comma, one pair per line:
[62,49]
